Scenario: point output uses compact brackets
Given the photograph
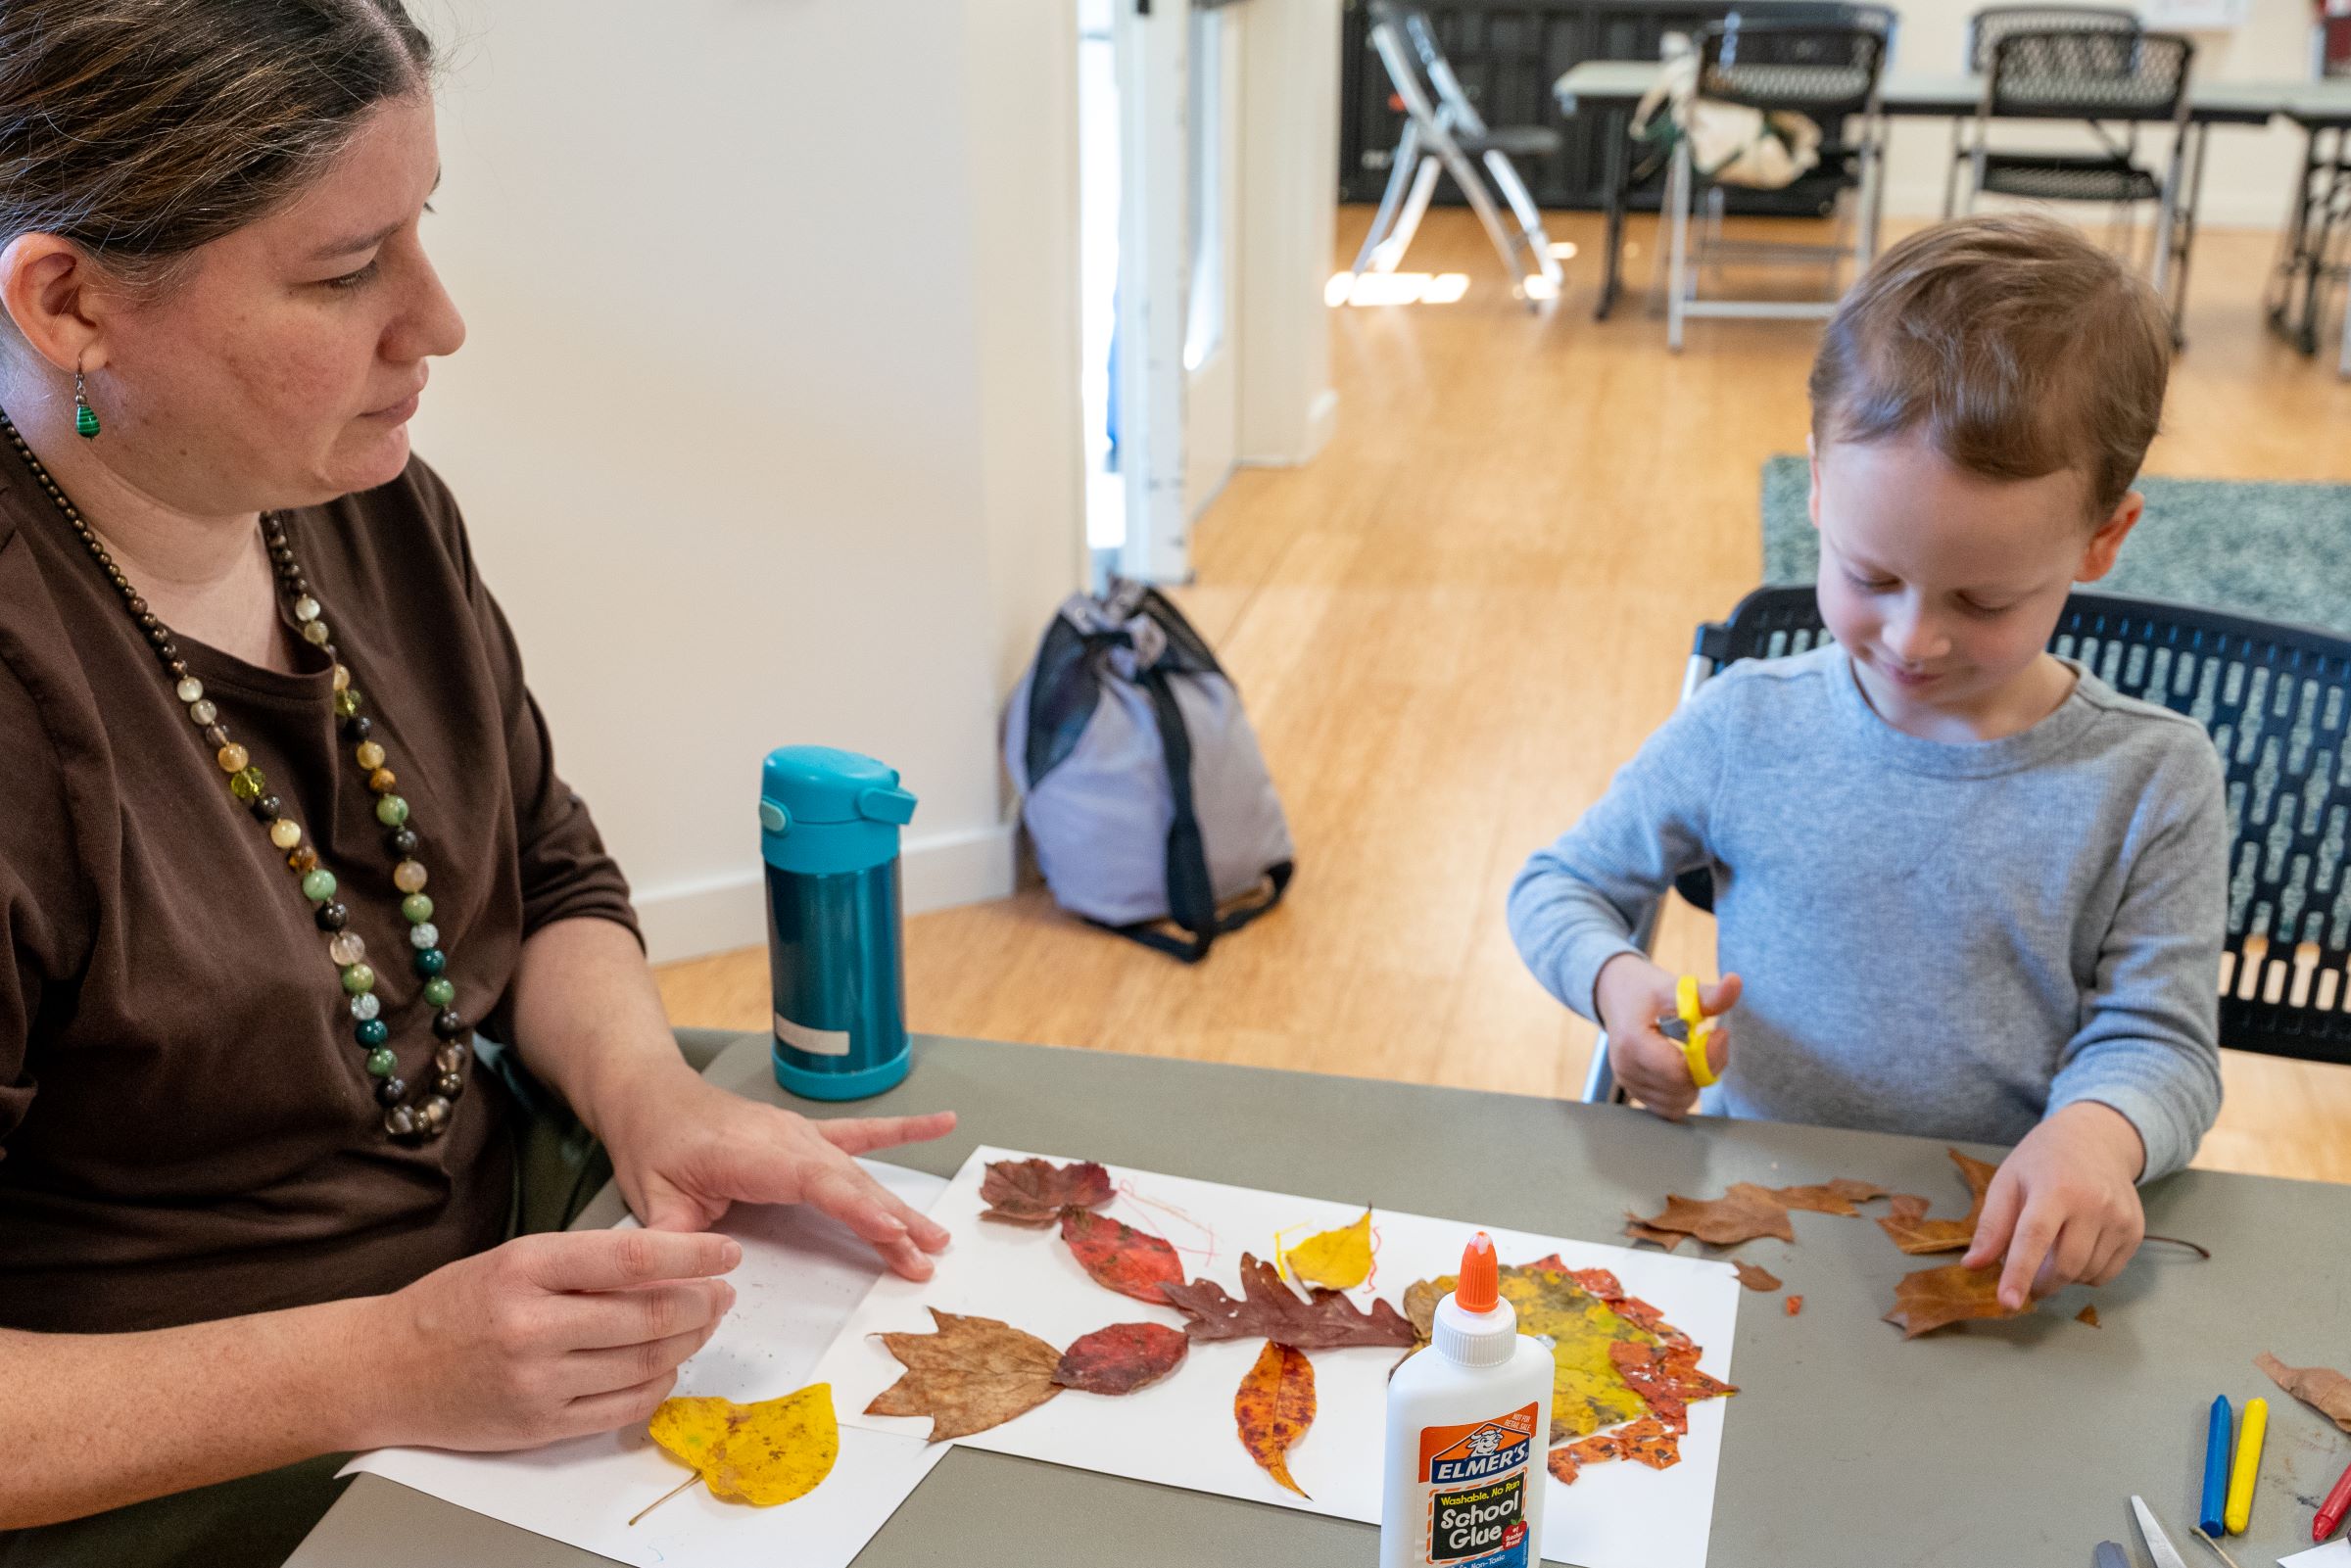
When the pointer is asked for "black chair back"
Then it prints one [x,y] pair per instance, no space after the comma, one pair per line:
[1987,26]
[1765,61]
[2073,74]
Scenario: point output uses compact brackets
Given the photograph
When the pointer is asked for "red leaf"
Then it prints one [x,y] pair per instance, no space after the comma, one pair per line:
[1274,1407]
[1034,1192]
[1933,1298]
[1667,1378]
[1742,1213]
[1755,1277]
[1323,1319]
[1122,1357]
[1915,1233]
[1120,1257]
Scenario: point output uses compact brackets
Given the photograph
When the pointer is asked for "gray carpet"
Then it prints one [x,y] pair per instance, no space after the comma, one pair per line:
[2276,551]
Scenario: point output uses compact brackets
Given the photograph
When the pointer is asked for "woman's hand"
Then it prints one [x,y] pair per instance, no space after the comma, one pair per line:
[2064,1205]
[1630,996]
[685,1151]
[547,1337]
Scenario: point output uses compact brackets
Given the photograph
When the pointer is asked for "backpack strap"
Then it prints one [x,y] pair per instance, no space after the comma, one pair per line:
[1192,895]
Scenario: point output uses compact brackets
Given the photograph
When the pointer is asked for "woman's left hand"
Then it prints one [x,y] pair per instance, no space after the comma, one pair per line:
[686,1151]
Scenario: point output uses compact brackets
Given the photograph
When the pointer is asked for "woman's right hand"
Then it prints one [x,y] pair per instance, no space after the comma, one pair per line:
[545,1337]
[1630,996]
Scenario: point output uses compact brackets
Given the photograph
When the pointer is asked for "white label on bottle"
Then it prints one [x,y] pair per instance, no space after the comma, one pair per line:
[816,1042]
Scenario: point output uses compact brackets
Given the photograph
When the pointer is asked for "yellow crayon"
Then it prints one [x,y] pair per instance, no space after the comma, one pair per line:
[2249,1433]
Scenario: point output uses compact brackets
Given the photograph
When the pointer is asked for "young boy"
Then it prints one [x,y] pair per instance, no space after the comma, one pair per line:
[1973,891]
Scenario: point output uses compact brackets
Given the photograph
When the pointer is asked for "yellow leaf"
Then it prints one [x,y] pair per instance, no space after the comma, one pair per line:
[1586,1390]
[763,1454]
[1338,1259]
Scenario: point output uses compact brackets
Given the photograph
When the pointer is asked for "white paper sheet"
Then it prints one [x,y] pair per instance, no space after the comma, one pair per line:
[1180,1432]
[2336,1554]
[801,1276]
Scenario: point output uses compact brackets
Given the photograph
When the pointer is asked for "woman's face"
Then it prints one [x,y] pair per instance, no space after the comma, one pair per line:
[281,368]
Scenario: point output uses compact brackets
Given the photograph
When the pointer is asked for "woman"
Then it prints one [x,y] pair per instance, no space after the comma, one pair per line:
[281,823]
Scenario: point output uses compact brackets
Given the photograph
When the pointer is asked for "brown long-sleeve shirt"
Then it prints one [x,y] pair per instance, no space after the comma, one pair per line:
[187,1127]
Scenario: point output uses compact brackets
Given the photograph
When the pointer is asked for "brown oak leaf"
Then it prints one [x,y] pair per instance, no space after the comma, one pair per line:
[1667,1239]
[1915,1233]
[1321,1320]
[1120,1258]
[2323,1388]
[1122,1357]
[1836,1197]
[972,1374]
[1954,1293]
[1274,1407]
[1034,1192]
[1741,1214]
[1755,1277]
[1667,1379]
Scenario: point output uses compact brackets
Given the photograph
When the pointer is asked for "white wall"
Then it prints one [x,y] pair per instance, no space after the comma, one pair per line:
[1289,143]
[2250,171]
[766,430]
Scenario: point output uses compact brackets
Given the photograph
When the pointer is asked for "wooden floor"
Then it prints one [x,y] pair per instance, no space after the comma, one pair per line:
[1450,629]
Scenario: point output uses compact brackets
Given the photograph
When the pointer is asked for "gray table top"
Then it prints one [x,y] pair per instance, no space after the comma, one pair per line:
[2321,105]
[1615,83]
[2017,1441]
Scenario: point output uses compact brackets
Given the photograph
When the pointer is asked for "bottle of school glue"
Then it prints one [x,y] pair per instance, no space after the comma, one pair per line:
[1468,1419]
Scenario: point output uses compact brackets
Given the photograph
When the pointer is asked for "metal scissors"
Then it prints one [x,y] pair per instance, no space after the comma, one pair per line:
[2159,1545]
[1690,1030]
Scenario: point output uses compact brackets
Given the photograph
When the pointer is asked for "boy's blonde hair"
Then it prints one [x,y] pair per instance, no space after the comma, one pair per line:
[2012,343]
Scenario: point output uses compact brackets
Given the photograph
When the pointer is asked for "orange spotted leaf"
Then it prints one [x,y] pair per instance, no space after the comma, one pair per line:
[1563,1466]
[1933,1298]
[1120,1257]
[1741,1214]
[1667,1378]
[1034,1192]
[1274,1407]
[1915,1233]
[1120,1358]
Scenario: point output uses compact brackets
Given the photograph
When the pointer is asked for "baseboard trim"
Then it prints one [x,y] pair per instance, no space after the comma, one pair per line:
[719,913]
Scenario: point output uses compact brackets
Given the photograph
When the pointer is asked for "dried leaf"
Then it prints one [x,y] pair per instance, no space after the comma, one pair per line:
[763,1454]
[1667,1239]
[1836,1197]
[1120,1257]
[1605,1285]
[2322,1388]
[1338,1259]
[1274,1408]
[1646,1440]
[2087,1314]
[1742,1213]
[1796,1304]
[1563,1466]
[1755,1277]
[1667,1379]
[1122,1357]
[973,1373]
[1587,1392]
[1915,1233]
[1954,1293]
[1034,1192]
[1325,1320]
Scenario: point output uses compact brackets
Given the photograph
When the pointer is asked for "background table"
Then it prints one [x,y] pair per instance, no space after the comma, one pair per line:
[2319,212]
[2004,1442]
[1616,87]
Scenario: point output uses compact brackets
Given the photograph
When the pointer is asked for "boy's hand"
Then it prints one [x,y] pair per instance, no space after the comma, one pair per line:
[2064,1205]
[1629,996]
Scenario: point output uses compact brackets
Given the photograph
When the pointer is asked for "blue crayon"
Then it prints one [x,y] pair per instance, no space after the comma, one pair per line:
[2216,1442]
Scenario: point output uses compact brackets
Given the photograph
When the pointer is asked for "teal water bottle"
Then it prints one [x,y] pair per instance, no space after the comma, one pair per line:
[829,825]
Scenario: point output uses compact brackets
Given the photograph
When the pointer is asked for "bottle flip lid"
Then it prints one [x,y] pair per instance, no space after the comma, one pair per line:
[826,784]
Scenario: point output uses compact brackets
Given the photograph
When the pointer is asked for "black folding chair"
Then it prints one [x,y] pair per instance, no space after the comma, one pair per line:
[1987,26]
[2277,700]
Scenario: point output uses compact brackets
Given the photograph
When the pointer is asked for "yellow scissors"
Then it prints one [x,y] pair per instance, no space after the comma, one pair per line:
[1690,1030]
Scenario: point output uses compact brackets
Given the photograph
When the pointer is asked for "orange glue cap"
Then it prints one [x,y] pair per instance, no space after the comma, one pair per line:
[1481,1277]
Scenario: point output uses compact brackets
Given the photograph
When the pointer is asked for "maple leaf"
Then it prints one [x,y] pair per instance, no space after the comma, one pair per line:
[2322,1388]
[763,1454]
[1667,1379]
[1338,1259]
[1667,1239]
[1755,1277]
[1741,1214]
[1605,1285]
[1954,1293]
[972,1374]
[1915,1233]
[1122,1357]
[1274,1407]
[1321,1320]
[1836,1197]
[1579,1324]
[1120,1258]
[1034,1192]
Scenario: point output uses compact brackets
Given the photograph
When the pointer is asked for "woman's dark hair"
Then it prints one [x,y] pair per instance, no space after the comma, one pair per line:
[141,129]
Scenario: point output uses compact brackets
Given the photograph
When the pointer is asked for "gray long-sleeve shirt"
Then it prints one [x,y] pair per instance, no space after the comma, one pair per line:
[1953,940]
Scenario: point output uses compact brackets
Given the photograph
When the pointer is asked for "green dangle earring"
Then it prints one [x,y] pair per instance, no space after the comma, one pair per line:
[85,417]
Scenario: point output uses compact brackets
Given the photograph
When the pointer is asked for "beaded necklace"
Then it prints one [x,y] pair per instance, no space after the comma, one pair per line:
[425,1113]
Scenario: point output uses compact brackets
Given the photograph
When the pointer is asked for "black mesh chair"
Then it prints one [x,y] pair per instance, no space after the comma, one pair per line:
[1987,26]
[1444,133]
[2277,700]
[1825,63]
[2098,76]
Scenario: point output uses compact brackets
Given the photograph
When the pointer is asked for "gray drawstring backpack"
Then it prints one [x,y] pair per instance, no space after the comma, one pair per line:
[1142,786]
